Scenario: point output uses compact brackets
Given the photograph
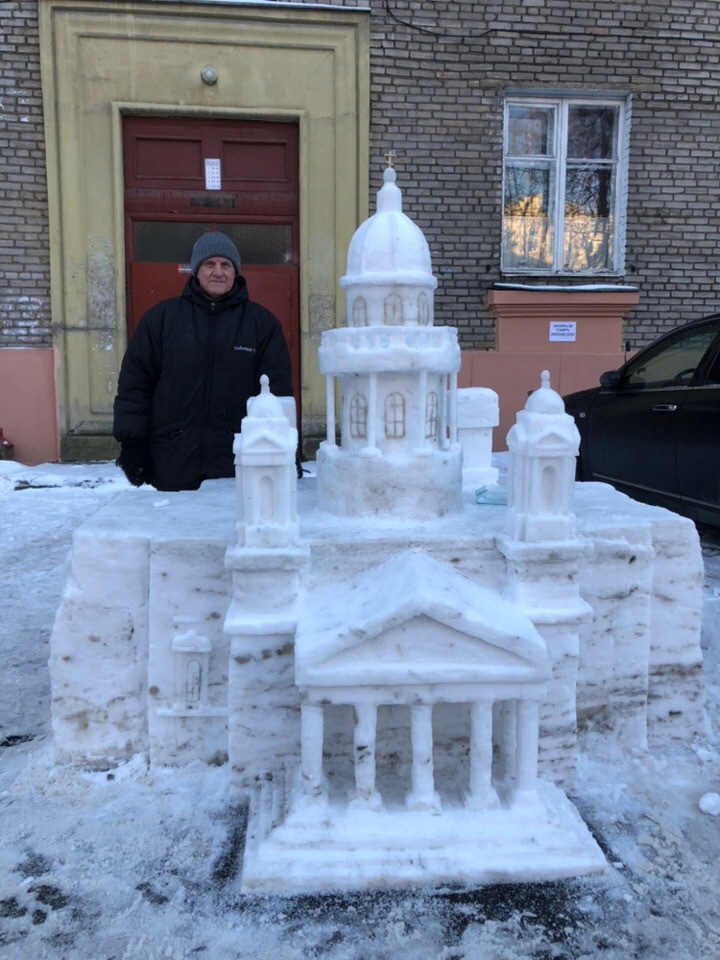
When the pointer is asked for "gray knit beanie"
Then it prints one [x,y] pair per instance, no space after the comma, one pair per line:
[214,245]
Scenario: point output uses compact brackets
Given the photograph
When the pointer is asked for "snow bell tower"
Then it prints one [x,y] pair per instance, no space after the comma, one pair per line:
[398,454]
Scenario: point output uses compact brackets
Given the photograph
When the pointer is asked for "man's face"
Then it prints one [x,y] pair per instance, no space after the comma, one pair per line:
[216,276]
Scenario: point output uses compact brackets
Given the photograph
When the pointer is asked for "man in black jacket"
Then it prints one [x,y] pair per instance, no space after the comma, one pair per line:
[189,370]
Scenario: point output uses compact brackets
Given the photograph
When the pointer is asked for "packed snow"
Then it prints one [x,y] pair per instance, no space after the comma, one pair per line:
[132,864]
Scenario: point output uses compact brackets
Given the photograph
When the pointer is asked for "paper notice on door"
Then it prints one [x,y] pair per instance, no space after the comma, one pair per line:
[212,175]
[562,330]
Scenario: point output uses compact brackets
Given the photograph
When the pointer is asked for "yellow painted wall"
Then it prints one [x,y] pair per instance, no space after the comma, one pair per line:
[103,59]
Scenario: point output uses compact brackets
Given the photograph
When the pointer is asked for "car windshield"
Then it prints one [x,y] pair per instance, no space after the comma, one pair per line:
[671,361]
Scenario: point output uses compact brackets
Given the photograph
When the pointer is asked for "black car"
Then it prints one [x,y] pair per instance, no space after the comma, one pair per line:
[652,428]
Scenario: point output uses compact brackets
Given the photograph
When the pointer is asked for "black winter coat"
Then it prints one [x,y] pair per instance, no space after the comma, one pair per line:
[188,372]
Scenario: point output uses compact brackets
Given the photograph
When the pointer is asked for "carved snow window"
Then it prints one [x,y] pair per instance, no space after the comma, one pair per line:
[393,309]
[358,416]
[564,184]
[193,683]
[423,307]
[266,501]
[191,653]
[395,416]
[432,407]
[359,312]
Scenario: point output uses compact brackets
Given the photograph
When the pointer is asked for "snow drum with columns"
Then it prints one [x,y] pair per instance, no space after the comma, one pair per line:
[399,454]
[395,672]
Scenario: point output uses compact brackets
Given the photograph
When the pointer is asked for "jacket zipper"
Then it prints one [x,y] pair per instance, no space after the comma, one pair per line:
[207,390]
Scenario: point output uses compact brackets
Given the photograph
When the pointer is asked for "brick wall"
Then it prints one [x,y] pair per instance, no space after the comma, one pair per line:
[24,241]
[438,72]
[437,90]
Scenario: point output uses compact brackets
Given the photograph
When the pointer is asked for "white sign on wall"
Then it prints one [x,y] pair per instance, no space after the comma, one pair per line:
[212,175]
[562,330]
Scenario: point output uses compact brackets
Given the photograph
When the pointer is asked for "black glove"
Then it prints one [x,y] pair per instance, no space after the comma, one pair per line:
[134,461]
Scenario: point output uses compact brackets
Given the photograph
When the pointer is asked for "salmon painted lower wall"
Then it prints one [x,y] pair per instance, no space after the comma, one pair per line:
[513,376]
[575,333]
[28,414]
[28,406]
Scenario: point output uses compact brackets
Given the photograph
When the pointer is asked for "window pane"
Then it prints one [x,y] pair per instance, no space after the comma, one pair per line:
[592,132]
[528,227]
[589,198]
[671,363]
[261,243]
[168,242]
[713,374]
[530,131]
[589,191]
[527,190]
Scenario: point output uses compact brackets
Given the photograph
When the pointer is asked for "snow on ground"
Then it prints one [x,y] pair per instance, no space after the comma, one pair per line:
[125,864]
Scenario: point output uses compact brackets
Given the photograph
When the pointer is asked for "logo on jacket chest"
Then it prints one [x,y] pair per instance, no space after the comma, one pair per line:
[245,349]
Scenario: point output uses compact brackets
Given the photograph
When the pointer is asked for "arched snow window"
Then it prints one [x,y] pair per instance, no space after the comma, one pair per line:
[393,309]
[358,416]
[432,407]
[395,416]
[423,307]
[193,683]
[549,489]
[359,312]
[266,500]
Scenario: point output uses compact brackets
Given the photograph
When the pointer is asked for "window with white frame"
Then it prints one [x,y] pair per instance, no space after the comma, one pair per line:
[564,185]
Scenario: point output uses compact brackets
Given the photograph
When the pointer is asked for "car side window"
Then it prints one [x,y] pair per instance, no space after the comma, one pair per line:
[672,362]
[713,374]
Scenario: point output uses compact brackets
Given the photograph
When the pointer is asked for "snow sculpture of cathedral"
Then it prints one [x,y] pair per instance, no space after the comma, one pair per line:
[394,673]
[399,455]
[382,655]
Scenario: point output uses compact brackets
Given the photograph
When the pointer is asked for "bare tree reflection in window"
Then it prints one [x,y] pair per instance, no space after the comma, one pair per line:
[529,216]
[562,185]
[589,187]
[529,196]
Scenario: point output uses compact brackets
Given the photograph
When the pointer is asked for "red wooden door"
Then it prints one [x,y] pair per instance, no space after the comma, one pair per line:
[184,177]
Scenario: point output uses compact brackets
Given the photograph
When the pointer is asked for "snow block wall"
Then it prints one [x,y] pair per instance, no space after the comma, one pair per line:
[641,662]
[142,576]
[99,649]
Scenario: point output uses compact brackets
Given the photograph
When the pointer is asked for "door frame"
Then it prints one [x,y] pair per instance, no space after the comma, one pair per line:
[162,199]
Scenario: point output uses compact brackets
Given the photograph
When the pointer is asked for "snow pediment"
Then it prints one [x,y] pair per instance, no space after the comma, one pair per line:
[413,620]
[551,438]
[264,441]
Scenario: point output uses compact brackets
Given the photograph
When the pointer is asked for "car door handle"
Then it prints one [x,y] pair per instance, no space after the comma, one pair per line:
[665,408]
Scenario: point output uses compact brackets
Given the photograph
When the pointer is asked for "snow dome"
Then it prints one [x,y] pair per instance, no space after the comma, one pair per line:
[389,276]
